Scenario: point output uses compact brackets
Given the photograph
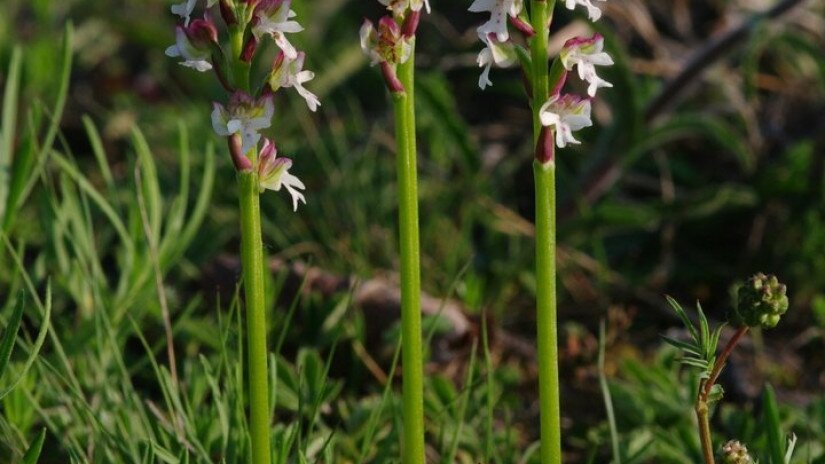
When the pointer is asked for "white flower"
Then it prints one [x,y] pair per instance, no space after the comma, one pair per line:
[502,54]
[398,7]
[288,72]
[593,12]
[273,173]
[568,113]
[384,44]
[273,17]
[245,116]
[184,10]
[192,43]
[499,9]
[586,54]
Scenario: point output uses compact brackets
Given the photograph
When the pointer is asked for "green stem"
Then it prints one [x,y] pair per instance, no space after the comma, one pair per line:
[539,57]
[704,431]
[252,254]
[412,364]
[703,398]
[548,352]
[545,185]
[240,70]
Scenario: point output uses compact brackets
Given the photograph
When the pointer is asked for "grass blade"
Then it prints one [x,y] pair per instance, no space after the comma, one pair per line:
[773,428]
[10,334]
[9,124]
[38,343]
[608,401]
[33,453]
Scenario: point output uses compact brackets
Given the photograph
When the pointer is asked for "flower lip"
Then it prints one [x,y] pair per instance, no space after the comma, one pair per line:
[497,53]
[273,173]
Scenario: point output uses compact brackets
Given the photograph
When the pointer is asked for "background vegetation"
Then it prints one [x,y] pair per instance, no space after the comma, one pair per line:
[705,166]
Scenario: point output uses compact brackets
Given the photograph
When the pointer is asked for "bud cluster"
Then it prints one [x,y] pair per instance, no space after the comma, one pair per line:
[391,42]
[249,23]
[734,452]
[762,300]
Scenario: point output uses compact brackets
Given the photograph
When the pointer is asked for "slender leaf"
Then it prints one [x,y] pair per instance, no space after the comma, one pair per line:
[33,453]
[773,427]
[10,333]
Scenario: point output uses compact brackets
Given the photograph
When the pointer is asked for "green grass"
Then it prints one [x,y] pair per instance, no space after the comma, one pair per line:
[696,200]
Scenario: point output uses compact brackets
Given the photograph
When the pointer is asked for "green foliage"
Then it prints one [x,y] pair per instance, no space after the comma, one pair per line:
[700,351]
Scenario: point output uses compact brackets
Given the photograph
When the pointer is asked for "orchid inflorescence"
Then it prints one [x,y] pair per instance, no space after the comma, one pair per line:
[390,43]
[247,112]
[565,113]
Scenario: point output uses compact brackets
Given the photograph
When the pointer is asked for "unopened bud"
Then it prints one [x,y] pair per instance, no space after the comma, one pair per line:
[734,452]
[762,300]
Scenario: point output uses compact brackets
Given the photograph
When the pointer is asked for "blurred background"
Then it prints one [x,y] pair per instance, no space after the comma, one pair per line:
[704,167]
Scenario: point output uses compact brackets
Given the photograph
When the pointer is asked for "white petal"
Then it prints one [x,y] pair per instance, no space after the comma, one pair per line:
[173,51]
[312,101]
[600,59]
[184,10]
[219,122]
[304,76]
[485,60]
[290,26]
[249,138]
[289,51]
[482,5]
[199,65]
[292,185]
[578,122]
[269,109]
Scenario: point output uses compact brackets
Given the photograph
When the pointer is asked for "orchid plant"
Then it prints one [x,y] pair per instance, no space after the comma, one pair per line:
[391,45]
[248,111]
[557,116]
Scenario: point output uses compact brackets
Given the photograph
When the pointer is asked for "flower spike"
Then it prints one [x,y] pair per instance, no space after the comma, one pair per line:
[273,173]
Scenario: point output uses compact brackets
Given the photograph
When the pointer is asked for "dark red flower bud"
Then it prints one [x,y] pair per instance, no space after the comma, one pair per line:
[241,162]
[545,147]
[411,23]
[227,13]
[524,27]
[249,49]
[391,78]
